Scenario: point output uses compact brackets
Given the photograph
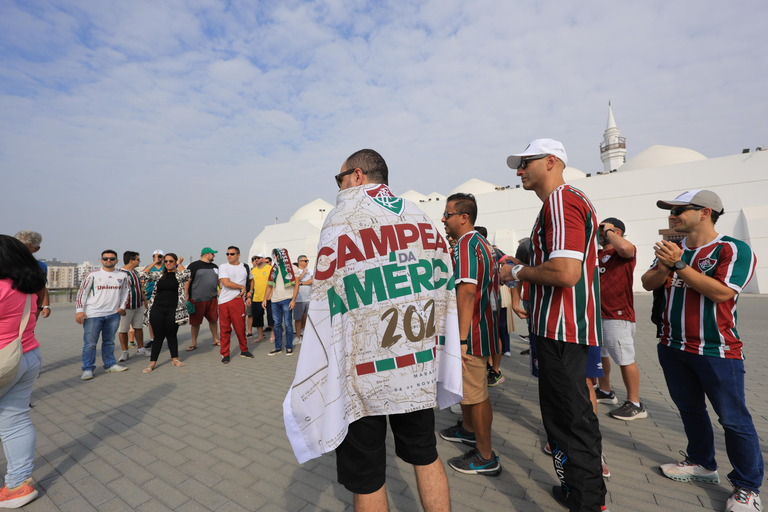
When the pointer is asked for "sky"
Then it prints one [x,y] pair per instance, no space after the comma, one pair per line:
[177,125]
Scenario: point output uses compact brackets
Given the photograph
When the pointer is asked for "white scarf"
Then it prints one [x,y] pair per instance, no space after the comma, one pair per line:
[370,352]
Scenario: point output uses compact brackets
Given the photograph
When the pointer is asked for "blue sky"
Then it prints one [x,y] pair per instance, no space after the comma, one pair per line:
[182,124]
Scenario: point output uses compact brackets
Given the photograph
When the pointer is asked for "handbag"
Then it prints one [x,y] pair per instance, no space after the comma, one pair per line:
[10,355]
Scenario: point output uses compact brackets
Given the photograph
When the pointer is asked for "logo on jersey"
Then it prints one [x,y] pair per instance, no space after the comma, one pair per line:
[383,197]
[706,264]
[606,258]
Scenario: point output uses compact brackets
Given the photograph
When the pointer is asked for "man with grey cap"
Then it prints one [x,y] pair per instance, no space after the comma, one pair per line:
[564,299]
[700,350]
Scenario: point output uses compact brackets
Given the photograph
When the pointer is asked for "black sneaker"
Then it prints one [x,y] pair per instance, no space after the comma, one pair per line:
[628,411]
[457,434]
[525,352]
[225,359]
[561,496]
[472,463]
[289,351]
[605,398]
[495,378]
[274,352]
[246,354]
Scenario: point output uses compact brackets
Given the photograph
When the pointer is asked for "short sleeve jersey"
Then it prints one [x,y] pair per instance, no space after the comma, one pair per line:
[260,278]
[134,287]
[617,302]
[695,324]
[566,227]
[474,262]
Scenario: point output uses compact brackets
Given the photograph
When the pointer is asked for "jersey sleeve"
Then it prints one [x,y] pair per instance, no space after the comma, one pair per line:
[565,229]
[466,263]
[736,265]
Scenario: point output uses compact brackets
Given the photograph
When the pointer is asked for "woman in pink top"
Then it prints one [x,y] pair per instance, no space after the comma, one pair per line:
[20,275]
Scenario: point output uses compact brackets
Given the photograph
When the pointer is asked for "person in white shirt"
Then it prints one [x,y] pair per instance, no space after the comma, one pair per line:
[302,299]
[100,303]
[282,290]
[235,284]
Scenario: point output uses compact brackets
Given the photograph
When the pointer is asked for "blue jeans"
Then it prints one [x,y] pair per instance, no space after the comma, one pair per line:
[281,313]
[689,378]
[16,429]
[106,326]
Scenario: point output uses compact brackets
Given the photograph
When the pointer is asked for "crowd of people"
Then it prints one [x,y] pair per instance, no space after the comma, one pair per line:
[380,258]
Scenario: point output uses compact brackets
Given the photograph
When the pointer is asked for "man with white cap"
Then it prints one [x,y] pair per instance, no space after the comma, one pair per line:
[700,350]
[564,298]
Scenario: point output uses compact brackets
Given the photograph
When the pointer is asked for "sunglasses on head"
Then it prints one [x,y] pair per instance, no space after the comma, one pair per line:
[677,210]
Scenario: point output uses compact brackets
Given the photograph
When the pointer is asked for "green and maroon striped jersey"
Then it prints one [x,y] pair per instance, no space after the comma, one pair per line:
[567,228]
[695,324]
[474,262]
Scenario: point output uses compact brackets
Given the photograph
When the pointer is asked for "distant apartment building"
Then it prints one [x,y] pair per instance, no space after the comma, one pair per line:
[67,275]
[83,269]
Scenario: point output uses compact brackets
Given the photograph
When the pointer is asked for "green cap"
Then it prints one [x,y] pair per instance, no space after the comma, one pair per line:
[208,250]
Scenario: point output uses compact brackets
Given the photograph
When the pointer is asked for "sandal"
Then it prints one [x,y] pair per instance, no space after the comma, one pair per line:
[216,344]
[176,362]
[149,368]
[191,348]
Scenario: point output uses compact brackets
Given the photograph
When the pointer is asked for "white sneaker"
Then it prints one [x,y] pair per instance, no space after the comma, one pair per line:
[297,340]
[143,352]
[456,408]
[116,368]
[123,356]
[508,354]
[688,470]
[87,375]
[743,500]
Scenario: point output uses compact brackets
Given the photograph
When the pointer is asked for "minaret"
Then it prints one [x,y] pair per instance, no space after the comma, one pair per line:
[613,149]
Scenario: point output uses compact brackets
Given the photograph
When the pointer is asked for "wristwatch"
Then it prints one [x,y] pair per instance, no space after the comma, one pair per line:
[679,265]
[515,270]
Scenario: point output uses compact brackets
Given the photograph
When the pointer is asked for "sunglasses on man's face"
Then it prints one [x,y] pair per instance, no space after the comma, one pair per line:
[231,254]
[109,259]
[524,161]
[677,210]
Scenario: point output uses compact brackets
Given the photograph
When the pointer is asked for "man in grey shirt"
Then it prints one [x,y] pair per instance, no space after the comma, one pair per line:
[202,291]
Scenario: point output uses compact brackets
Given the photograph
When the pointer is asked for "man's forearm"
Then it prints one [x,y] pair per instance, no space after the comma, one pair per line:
[654,279]
[709,287]
[564,272]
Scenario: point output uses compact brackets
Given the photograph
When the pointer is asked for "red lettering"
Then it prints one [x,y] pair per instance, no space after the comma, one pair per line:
[406,233]
[325,254]
[427,236]
[383,246]
[348,251]
[440,244]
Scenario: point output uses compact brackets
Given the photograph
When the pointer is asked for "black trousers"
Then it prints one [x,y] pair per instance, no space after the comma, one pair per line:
[162,318]
[572,428]
[258,314]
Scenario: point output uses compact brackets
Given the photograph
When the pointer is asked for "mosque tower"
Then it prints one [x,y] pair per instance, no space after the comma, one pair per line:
[613,149]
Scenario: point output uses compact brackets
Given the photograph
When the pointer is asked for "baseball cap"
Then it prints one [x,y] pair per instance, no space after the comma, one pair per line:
[539,147]
[207,250]
[260,255]
[705,198]
[161,253]
[616,222]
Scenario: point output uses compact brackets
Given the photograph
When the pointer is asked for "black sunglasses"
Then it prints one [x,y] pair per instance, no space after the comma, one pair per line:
[109,259]
[677,210]
[231,254]
[524,161]
[447,215]
[342,174]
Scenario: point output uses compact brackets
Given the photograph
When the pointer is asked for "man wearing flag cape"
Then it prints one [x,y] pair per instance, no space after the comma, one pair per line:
[381,340]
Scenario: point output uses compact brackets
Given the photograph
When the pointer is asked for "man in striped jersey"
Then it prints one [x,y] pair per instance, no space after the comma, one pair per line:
[134,312]
[700,350]
[565,304]
[476,276]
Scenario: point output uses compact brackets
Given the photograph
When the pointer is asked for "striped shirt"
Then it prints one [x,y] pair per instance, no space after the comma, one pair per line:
[134,283]
[695,324]
[566,227]
[474,262]
[617,302]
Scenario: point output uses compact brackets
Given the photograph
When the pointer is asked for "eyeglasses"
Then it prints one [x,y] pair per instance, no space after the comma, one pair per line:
[447,215]
[231,254]
[524,161]
[303,261]
[342,174]
[109,259]
[677,210]
[169,261]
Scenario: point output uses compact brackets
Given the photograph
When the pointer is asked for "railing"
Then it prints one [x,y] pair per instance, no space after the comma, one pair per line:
[622,144]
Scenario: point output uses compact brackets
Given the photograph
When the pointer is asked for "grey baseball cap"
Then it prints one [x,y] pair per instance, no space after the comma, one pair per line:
[705,198]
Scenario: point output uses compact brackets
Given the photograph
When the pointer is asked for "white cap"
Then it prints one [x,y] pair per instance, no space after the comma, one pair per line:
[705,198]
[539,147]
[161,253]
[260,255]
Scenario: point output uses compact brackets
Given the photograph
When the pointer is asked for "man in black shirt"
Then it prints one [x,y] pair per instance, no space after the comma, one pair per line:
[202,292]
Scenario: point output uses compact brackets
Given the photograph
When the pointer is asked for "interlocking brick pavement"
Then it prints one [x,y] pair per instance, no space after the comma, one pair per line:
[210,436]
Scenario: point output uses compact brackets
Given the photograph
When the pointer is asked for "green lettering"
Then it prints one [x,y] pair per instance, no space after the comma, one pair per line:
[421,280]
[440,264]
[373,281]
[392,280]
[336,303]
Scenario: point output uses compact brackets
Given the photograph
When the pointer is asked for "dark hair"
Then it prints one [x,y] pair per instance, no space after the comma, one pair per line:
[108,251]
[465,203]
[523,252]
[482,230]
[18,265]
[235,248]
[128,256]
[372,163]
[165,269]
[714,216]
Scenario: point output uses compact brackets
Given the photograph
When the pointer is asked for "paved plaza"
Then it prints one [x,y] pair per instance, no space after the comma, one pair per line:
[210,436]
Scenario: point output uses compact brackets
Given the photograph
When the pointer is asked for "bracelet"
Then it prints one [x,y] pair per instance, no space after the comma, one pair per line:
[612,231]
[46,307]
[463,342]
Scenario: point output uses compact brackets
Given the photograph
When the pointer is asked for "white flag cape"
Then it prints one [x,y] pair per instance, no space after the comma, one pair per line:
[382,333]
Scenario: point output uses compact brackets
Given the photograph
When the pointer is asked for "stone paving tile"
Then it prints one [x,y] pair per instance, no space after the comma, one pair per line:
[211,437]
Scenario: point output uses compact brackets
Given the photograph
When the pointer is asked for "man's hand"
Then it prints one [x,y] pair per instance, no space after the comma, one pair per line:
[79,317]
[465,358]
[520,311]
[46,312]
[264,304]
[242,292]
[605,226]
[180,260]
[667,252]
[248,301]
[505,272]
[292,304]
[121,311]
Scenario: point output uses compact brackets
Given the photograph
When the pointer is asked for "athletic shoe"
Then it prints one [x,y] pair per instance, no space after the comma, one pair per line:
[246,354]
[131,343]
[274,352]
[629,411]
[523,337]
[297,340]
[457,434]
[115,368]
[289,351]
[606,471]
[472,463]
[561,497]
[688,470]
[123,356]
[143,352]
[225,359]
[525,352]
[87,375]
[507,353]
[495,378]
[742,500]
[456,408]
[21,495]
[547,449]
[606,398]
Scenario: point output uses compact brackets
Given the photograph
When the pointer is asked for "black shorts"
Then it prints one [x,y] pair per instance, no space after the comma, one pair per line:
[361,459]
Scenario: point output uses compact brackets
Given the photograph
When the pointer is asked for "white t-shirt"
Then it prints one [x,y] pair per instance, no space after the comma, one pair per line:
[305,290]
[281,292]
[236,274]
